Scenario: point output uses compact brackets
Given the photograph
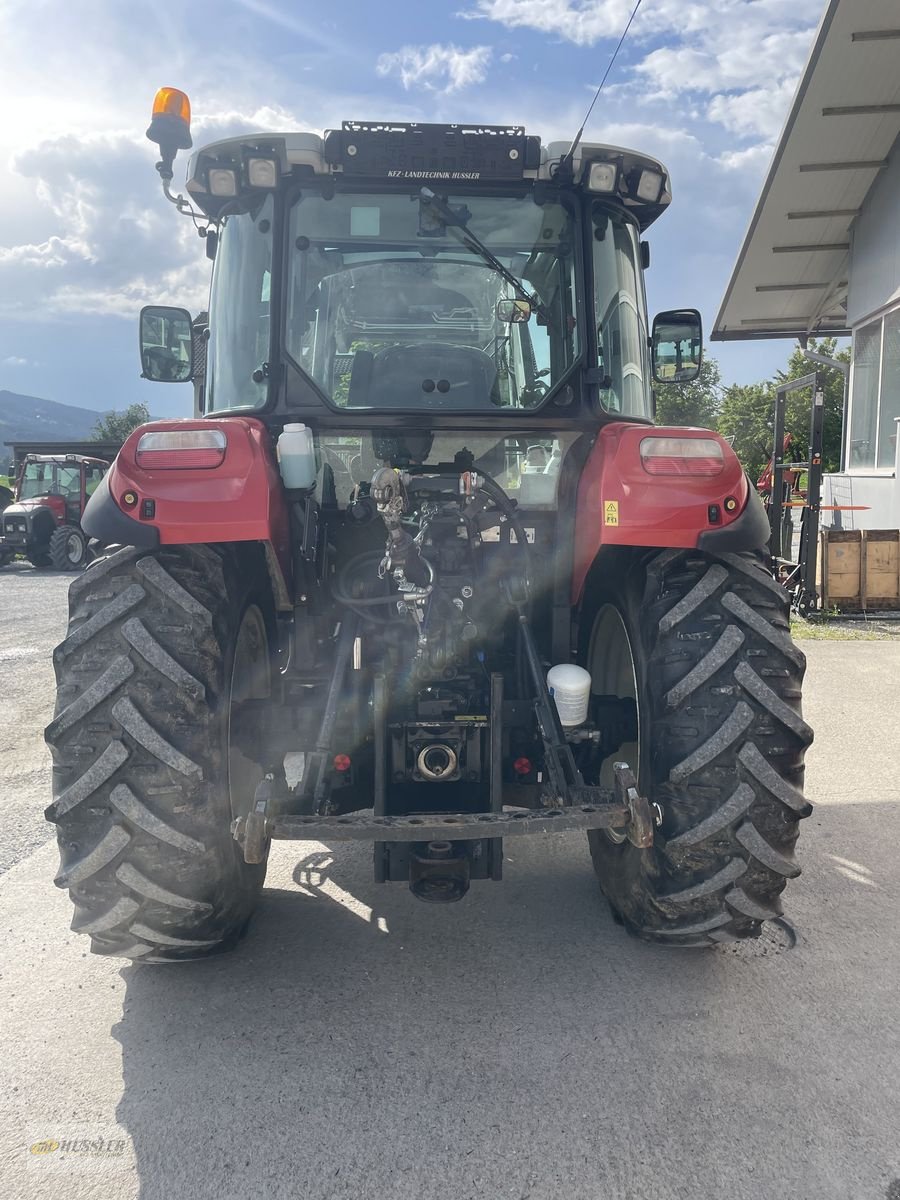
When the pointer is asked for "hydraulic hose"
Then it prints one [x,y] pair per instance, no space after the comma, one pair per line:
[494,492]
[362,605]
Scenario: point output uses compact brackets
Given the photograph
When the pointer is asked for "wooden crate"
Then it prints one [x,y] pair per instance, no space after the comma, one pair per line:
[881,568]
[860,569]
[841,554]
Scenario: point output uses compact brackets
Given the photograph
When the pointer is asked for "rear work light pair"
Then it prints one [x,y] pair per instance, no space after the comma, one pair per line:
[604,178]
[258,173]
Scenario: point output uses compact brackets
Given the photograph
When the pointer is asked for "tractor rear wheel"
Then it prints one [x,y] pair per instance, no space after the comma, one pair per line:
[68,548]
[702,644]
[161,653]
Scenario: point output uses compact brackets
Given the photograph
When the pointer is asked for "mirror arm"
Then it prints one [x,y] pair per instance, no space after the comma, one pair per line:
[183,206]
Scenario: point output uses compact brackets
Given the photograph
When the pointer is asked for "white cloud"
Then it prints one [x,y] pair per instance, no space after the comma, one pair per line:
[667,143]
[14,361]
[586,22]
[580,21]
[721,59]
[745,55]
[760,111]
[112,243]
[437,68]
[752,160]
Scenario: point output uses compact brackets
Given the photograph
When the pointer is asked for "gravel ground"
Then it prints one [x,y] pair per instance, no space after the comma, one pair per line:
[33,615]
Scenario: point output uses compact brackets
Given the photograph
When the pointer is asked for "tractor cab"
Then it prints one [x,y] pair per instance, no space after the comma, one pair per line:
[448,274]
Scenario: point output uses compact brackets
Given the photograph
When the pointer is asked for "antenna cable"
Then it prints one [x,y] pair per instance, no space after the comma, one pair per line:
[570,153]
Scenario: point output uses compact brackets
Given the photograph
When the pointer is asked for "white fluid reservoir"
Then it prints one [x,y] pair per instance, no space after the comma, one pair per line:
[297,457]
[571,690]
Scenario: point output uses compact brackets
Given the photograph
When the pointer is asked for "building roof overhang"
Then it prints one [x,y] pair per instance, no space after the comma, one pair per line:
[792,272]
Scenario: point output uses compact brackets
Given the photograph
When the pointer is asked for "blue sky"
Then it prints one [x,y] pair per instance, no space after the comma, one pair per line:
[86,237]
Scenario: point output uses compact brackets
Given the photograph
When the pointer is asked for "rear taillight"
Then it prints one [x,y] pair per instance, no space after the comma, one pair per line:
[682,456]
[181,449]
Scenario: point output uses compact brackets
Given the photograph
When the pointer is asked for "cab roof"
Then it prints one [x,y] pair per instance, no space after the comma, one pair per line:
[398,151]
[64,458]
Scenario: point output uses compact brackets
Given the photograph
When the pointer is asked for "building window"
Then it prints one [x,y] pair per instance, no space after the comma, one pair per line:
[875,397]
[864,416]
[889,407]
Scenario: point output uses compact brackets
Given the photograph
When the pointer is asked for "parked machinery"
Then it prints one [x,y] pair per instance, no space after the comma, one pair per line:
[44,520]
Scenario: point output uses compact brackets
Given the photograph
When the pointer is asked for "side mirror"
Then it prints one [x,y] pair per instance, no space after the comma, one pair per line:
[167,344]
[677,345]
[513,312]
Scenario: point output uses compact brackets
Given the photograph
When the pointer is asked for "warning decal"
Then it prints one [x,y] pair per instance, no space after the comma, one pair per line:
[610,512]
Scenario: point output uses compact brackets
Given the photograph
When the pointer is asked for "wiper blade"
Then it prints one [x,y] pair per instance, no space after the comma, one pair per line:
[474,243]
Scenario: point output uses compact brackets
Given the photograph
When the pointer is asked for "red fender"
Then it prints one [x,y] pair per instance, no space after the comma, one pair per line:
[241,500]
[621,504]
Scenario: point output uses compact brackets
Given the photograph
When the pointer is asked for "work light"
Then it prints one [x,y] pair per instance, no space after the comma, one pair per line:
[649,186]
[223,181]
[262,172]
[603,177]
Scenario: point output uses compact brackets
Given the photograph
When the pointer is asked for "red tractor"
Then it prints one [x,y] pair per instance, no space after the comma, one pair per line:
[354,553]
[44,521]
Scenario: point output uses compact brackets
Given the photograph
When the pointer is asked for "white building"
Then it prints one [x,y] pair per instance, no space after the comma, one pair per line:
[822,254]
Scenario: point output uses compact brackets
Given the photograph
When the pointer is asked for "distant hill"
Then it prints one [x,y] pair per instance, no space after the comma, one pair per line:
[28,418]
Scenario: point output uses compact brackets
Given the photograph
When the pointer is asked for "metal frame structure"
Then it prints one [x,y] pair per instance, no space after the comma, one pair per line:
[798,577]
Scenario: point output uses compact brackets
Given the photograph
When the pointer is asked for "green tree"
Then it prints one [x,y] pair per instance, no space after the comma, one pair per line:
[747,412]
[116,426]
[694,403]
[746,416]
[798,406]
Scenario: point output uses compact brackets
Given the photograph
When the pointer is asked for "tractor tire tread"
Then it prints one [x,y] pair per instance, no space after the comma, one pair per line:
[723,680]
[57,549]
[145,846]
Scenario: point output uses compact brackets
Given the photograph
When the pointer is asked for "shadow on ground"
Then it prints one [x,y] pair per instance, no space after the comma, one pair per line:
[362,1044]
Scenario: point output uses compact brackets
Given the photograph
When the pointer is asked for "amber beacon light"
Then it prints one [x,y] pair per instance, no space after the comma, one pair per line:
[170,126]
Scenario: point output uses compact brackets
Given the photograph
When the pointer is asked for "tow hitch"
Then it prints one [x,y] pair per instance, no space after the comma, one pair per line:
[623,809]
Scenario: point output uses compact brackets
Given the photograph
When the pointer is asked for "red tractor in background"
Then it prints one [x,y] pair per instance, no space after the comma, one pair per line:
[44,520]
[354,552]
